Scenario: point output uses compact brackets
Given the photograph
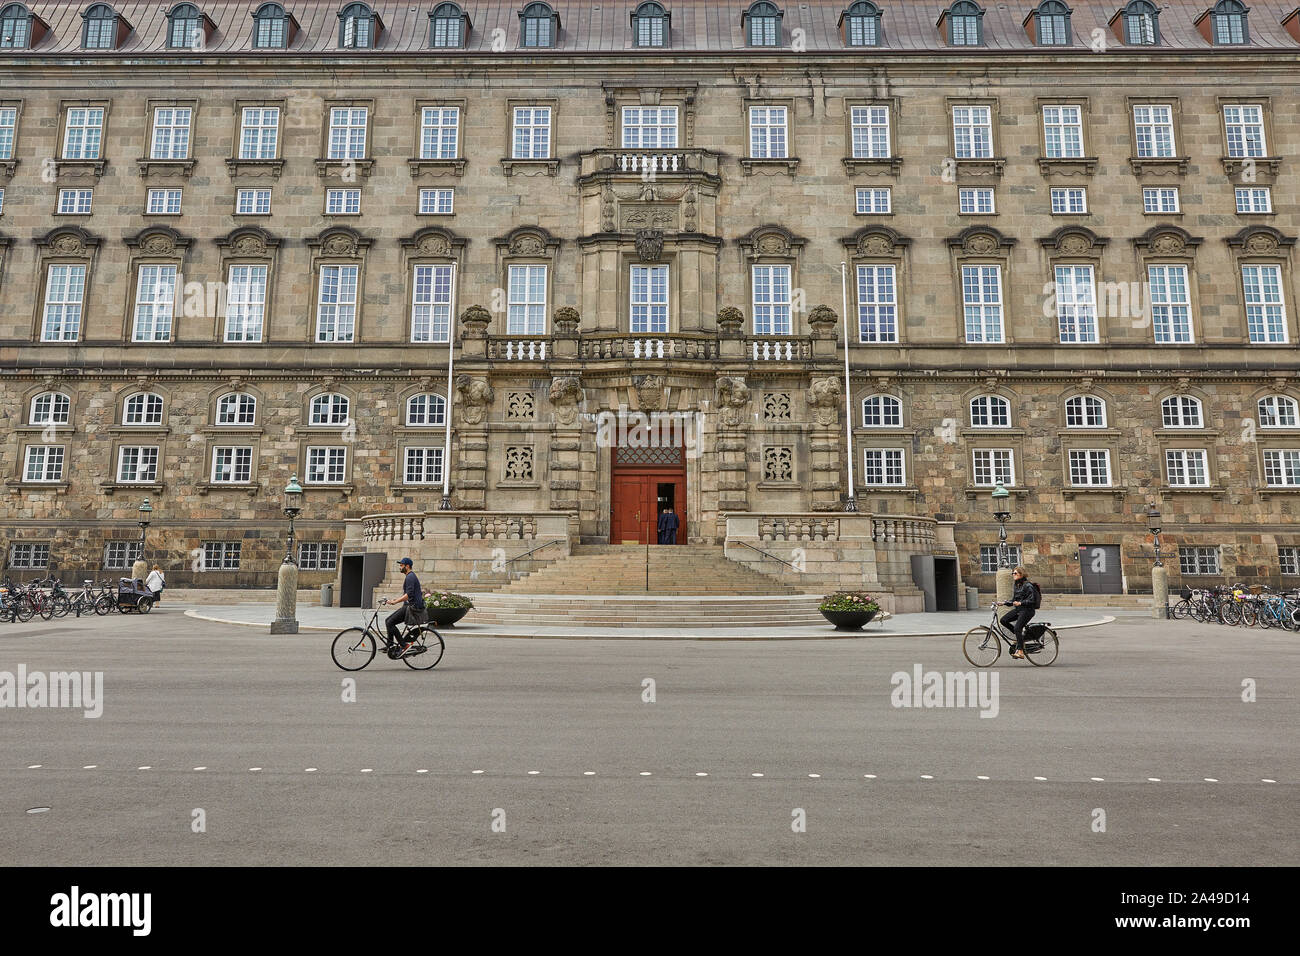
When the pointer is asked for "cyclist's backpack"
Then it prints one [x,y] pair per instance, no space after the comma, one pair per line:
[1038,595]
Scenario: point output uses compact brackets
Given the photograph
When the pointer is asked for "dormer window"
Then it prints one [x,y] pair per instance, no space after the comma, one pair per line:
[650,25]
[762,22]
[538,25]
[1228,23]
[100,28]
[185,29]
[448,26]
[965,23]
[860,24]
[1141,23]
[1052,23]
[15,27]
[270,27]
[357,27]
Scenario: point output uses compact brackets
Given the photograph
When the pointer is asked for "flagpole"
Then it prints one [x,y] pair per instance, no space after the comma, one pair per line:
[445,504]
[852,503]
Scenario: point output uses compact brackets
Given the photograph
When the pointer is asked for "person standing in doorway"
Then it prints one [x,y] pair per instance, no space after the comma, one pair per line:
[668,525]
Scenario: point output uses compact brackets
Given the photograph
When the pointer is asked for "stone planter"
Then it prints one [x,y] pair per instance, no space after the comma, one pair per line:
[849,620]
[446,616]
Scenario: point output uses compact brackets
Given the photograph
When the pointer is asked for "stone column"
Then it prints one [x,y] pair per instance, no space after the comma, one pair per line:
[565,470]
[286,601]
[1005,584]
[732,444]
[828,467]
[1159,592]
[473,398]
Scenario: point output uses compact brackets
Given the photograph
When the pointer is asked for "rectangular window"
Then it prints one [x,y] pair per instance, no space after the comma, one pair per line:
[1063,132]
[1154,126]
[1171,307]
[259,136]
[439,132]
[526,313]
[29,557]
[163,202]
[347,133]
[1069,200]
[221,555]
[436,202]
[1244,126]
[1090,466]
[650,30]
[171,133]
[8,130]
[649,299]
[975,202]
[1198,560]
[1265,312]
[253,202]
[431,303]
[989,557]
[981,289]
[1254,199]
[874,201]
[1076,304]
[863,31]
[423,466]
[993,465]
[65,291]
[763,31]
[768,132]
[137,463]
[1288,559]
[327,466]
[44,463]
[1282,468]
[318,556]
[336,305]
[75,202]
[245,303]
[882,466]
[120,555]
[532,132]
[972,132]
[870,127]
[155,303]
[1160,199]
[84,134]
[772,314]
[1186,468]
[343,202]
[964,30]
[537,31]
[649,127]
[232,465]
[877,304]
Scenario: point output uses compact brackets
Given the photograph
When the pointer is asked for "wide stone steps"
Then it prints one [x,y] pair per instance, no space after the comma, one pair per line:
[497,608]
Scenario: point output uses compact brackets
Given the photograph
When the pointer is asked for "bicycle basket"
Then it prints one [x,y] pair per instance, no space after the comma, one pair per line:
[1257,589]
[1034,632]
[1185,594]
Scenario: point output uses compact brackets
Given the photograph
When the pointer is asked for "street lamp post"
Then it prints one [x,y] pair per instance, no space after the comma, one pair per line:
[286,604]
[1002,512]
[140,568]
[1159,576]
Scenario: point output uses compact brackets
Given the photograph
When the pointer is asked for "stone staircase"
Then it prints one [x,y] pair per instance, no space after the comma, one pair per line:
[505,609]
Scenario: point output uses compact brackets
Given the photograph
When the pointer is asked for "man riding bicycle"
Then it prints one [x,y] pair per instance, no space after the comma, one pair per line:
[413,598]
[1024,602]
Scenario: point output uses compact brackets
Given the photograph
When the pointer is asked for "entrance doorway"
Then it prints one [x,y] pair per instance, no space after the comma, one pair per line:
[645,481]
[1100,569]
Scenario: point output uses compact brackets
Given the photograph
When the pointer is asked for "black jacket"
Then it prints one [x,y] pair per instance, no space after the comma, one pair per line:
[1025,593]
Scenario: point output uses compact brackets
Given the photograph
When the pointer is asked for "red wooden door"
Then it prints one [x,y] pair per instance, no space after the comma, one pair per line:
[632,499]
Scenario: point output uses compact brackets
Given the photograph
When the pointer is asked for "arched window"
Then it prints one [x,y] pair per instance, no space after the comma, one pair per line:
[448,26]
[237,408]
[270,27]
[185,27]
[100,32]
[1229,22]
[143,408]
[1141,23]
[1278,411]
[538,25]
[1052,19]
[51,408]
[15,27]
[860,24]
[650,25]
[762,23]
[356,27]
[330,409]
[965,24]
[425,410]
[1181,411]
[990,411]
[882,411]
[1085,411]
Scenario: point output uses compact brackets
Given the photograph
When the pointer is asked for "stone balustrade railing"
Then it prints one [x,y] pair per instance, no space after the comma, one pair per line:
[768,349]
[666,162]
[466,525]
[515,349]
[394,527]
[798,528]
[648,347]
[903,529]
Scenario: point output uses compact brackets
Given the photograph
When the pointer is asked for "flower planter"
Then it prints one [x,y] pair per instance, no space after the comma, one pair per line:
[849,620]
[446,616]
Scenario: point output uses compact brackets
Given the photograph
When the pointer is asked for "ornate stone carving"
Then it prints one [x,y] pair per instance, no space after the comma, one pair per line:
[472,397]
[339,244]
[776,407]
[731,322]
[649,392]
[435,246]
[519,463]
[980,244]
[1261,242]
[521,407]
[690,210]
[772,244]
[474,322]
[778,464]
[649,244]
[823,322]
[875,245]
[1085,384]
[68,245]
[159,244]
[824,400]
[249,246]
[566,321]
[527,245]
[566,396]
[649,217]
[608,208]
[733,396]
[1182,385]
[1074,245]
[1168,244]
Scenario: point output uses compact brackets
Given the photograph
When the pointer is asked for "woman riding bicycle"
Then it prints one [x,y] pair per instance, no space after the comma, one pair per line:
[1024,602]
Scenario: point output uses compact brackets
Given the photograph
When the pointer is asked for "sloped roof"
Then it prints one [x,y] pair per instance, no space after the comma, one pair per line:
[603,26]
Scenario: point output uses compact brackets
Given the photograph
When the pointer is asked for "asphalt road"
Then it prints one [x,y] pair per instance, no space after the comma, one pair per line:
[554,743]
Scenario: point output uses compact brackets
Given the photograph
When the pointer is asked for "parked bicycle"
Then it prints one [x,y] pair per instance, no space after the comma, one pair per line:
[356,647]
[982,644]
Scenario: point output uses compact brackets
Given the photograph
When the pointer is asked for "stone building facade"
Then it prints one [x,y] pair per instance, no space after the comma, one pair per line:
[1069,266]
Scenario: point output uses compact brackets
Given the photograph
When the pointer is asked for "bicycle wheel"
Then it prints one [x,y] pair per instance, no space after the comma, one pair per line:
[144,605]
[353,649]
[981,646]
[1230,612]
[1247,614]
[428,658]
[1182,610]
[1048,652]
[25,609]
[103,604]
